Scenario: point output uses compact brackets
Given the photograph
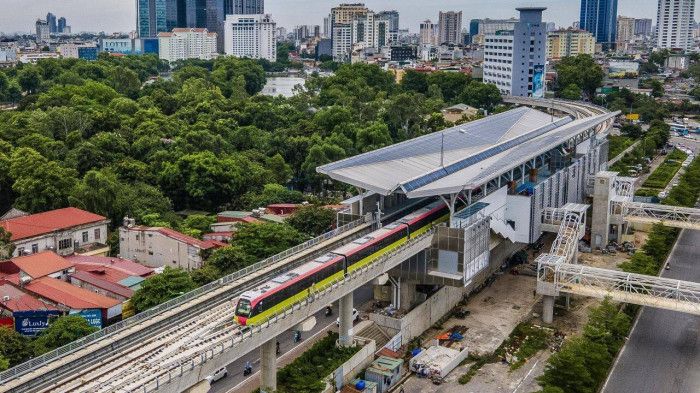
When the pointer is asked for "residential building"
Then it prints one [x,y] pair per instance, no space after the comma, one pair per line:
[23,269]
[342,18]
[34,57]
[427,33]
[393,18]
[246,7]
[369,31]
[62,24]
[8,57]
[43,32]
[450,27]
[327,27]
[65,231]
[570,42]
[125,266]
[642,27]
[97,308]
[625,32]
[515,60]
[68,51]
[600,18]
[251,36]
[404,53]
[457,112]
[324,48]
[160,247]
[674,24]
[51,21]
[187,43]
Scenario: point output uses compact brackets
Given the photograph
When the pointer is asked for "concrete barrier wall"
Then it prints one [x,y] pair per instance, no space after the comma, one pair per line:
[353,366]
[390,325]
[429,312]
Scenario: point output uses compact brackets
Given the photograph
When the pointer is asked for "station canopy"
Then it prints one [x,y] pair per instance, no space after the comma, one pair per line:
[461,157]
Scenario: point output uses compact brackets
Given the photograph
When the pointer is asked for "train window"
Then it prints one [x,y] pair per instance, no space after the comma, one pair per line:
[243,308]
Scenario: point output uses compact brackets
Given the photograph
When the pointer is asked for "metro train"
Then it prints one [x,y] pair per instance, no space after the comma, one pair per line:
[271,297]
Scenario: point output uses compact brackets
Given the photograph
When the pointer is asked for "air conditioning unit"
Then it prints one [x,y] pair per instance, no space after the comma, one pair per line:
[6,298]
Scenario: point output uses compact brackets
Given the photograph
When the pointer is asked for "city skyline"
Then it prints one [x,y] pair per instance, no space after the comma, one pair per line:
[119,16]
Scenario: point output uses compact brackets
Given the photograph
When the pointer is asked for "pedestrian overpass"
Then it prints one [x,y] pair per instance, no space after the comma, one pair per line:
[650,213]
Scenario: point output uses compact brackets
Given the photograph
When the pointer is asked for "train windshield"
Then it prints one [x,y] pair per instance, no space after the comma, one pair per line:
[243,308]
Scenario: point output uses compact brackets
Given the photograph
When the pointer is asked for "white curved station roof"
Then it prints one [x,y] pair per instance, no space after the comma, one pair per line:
[471,154]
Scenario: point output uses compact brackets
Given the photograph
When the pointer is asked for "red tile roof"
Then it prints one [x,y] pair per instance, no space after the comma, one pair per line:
[63,293]
[41,264]
[20,301]
[100,282]
[129,267]
[47,222]
[103,272]
[171,233]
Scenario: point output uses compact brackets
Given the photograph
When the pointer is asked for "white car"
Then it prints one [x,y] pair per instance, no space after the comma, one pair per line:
[355,317]
[218,375]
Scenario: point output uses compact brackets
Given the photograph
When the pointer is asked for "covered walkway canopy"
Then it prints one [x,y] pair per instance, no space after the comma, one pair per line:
[462,157]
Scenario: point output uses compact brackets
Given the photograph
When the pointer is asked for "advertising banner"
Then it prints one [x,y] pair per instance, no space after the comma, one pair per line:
[92,316]
[31,323]
[538,81]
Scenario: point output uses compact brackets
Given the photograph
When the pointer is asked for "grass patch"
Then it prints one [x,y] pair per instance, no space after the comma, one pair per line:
[618,144]
[306,374]
[523,343]
[665,172]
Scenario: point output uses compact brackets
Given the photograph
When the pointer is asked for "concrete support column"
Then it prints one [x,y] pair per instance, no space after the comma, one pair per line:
[268,366]
[548,309]
[345,311]
[407,292]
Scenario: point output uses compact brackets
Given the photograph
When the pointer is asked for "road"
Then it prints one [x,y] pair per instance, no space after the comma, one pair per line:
[662,354]
[235,369]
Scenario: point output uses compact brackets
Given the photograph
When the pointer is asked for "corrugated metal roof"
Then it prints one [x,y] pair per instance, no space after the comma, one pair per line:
[425,158]
[473,154]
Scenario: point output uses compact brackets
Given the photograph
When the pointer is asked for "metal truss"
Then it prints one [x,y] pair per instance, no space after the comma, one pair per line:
[624,287]
[566,243]
[673,216]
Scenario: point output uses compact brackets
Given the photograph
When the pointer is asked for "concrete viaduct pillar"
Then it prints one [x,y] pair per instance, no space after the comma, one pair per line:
[268,366]
[548,309]
[345,311]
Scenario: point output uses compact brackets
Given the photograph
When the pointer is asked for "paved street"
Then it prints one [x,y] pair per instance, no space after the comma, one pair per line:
[662,354]
[235,369]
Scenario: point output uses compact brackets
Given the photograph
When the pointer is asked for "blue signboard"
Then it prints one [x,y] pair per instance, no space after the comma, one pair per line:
[31,323]
[538,81]
[92,316]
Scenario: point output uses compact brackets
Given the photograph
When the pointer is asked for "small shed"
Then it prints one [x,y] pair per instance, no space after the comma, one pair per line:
[385,372]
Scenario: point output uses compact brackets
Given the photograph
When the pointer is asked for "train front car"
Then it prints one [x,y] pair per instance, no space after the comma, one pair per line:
[243,309]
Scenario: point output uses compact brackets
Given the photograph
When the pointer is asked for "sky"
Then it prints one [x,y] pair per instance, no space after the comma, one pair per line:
[119,15]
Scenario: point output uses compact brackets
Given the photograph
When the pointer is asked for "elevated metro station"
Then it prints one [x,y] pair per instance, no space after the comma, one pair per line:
[497,175]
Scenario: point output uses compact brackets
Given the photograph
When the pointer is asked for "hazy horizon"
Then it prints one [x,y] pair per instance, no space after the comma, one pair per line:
[119,15]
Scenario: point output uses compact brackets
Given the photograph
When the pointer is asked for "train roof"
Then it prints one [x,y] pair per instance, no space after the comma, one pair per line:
[282,279]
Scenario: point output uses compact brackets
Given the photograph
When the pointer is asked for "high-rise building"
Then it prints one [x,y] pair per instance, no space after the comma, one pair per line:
[342,18]
[246,7]
[450,26]
[570,42]
[551,26]
[474,27]
[151,17]
[327,27]
[516,66]
[642,27]
[43,32]
[187,43]
[625,31]
[600,18]
[51,21]
[427,33]
[674,24]
[393,18]
[252,36]
[62,23]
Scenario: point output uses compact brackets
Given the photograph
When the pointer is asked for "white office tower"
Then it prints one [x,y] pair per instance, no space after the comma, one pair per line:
[251,36]
[427,33]
[674,24]
[514,60]
[187,43]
